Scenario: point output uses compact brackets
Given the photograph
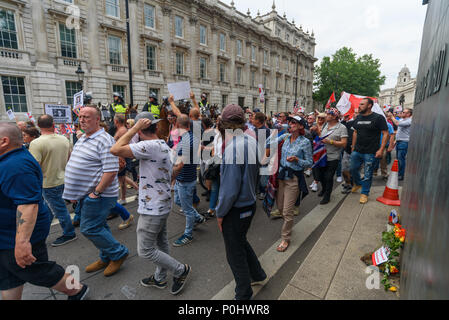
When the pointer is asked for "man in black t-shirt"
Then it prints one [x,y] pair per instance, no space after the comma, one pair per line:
[368,127]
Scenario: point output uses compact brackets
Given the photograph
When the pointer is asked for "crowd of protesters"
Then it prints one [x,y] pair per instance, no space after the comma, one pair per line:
[244,156]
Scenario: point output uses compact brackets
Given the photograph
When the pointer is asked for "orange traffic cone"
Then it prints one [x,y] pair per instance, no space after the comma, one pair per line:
[391,194]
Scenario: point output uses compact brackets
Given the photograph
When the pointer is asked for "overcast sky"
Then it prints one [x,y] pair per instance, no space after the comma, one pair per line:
[389,29]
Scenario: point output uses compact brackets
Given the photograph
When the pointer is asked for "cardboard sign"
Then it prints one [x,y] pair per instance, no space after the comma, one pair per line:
[380,256]
[179,90]
[61,114]
[78,100]
[11,114]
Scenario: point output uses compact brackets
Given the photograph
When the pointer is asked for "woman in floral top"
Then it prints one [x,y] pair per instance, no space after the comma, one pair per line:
[295,158]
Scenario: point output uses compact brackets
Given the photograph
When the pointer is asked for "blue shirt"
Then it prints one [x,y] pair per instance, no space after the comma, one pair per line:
[300,148]
[21,184]
[188,147]
[390,132]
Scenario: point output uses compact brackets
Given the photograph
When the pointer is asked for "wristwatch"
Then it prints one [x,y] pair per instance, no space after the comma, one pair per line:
[97,194]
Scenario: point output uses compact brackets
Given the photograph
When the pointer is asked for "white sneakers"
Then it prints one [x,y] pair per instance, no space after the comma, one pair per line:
[314,186]
[339,179]
[308,172]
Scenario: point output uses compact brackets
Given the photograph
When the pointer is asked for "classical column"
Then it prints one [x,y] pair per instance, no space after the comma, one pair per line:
[93,35]
[169,68]
[135,37]
[39,31]
[194,63]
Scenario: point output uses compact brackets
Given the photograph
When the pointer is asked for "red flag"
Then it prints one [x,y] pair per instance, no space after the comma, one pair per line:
[331,100]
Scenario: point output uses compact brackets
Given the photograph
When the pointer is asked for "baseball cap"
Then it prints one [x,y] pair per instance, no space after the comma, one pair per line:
[233,112]
[147,115]
[298,119]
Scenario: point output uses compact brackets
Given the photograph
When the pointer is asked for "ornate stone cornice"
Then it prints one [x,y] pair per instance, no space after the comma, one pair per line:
[166,10]
[193,20]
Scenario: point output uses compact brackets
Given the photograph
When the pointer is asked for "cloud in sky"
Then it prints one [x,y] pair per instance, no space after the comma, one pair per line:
[391,30]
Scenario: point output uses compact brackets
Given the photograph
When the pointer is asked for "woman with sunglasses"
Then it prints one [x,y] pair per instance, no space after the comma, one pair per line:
[336,139]
[296,156]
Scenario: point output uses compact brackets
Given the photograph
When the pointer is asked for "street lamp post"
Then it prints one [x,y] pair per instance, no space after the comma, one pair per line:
[80,74]
[129,55]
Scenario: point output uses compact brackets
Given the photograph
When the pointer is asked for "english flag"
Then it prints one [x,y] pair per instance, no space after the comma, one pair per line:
[331,100]
[349,103]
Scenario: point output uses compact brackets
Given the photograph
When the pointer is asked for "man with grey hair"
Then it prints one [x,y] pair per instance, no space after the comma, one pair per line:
[25,224]
[91,179]
[237,201]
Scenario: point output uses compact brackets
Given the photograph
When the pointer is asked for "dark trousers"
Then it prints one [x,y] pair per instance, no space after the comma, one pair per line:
[326,177]
[241,257]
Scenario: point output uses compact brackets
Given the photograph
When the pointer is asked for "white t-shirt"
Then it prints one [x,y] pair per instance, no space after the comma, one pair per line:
[155,177]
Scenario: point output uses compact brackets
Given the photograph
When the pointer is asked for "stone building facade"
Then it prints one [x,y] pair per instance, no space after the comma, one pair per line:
[221,51]
[405,88]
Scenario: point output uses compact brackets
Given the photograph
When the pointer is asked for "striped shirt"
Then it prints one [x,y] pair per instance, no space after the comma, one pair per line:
[90,159]
[188,148]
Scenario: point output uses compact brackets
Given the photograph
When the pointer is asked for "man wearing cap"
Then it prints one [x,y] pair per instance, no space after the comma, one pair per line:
[237,201]
[152,106]
[155,200]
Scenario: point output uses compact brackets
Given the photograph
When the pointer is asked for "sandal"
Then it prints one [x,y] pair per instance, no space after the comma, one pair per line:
[283,248]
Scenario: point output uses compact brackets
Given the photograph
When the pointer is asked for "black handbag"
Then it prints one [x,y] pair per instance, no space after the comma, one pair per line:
[213,172]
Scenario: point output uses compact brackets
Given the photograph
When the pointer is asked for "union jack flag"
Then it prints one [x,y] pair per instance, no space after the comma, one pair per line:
[69,128]
[319,152]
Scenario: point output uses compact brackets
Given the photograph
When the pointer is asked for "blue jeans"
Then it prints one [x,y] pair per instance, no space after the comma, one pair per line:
[184,198]
[357,159]
[401,150]
[214,192]
[53,197]
[94,227]
[118,209]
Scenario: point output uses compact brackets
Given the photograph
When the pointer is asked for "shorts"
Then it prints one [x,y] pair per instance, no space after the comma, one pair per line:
[42,273]
[346,162]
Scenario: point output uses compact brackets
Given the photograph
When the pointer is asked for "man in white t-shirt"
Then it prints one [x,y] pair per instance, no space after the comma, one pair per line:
[155,200]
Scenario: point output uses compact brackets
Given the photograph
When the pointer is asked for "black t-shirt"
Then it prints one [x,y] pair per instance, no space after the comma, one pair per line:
[348,126]
[369,129]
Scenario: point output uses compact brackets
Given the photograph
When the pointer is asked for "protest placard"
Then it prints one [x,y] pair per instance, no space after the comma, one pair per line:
[61,114]
[179,90]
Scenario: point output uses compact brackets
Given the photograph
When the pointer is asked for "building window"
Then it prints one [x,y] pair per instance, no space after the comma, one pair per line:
[277,62]
[113,8]
[222,42]
[241,101]
[68,41]
[203,35]
[239,75]
[119,89]
[224,100]
[253,53]
[287,37]
[239,48]
[179,63]
[222,72]
[179,26]
[286,85]
[149,16]
[253,79]
[277,83]
[278,31]
[14,94]
[8,33]
[265,81]
[203,68]
[71,87]
[265,57]
[69,1]
[115,44]
[151,58]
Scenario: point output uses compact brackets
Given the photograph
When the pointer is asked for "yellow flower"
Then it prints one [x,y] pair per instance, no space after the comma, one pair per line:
[402,239]
[393,289]
[393,270]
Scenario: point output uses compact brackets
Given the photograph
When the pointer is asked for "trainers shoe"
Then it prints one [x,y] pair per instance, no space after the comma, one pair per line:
[122,202]
[363,199]
[275,214]
[114,266]
[184,240]
[201,220]
[80,295]
[259,283]
[261,196]
[308,172]
[296,212]
[96,266]
[126,223]
[314,187]
[356,189]
[346,190]
[63,240]
[339,179]
[151,282]
[178,283]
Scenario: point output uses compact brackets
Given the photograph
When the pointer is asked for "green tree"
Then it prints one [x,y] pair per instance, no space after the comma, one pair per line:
[344,71]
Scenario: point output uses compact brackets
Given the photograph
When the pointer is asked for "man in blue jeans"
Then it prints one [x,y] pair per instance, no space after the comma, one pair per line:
[402,138]
[368,127]
[52,152]
[185,172]
[91,179]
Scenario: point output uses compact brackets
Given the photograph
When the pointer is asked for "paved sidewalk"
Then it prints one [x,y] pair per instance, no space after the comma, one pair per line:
[333,269]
